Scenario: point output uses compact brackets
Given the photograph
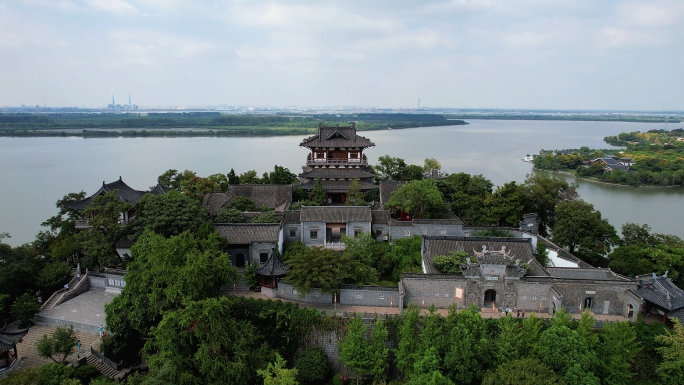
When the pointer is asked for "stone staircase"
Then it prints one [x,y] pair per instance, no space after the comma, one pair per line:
[103,368]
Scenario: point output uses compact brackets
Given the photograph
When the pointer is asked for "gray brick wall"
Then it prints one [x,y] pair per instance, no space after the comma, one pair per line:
[432,290]
[286,291]
[97,282]
[297,232]
[306,233]
[364,227]
[384,228]
[606,297]
[369,296]
[398,231]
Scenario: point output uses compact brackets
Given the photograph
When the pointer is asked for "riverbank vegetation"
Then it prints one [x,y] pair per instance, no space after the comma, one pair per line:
[568,117]
[201,124]
[654,158]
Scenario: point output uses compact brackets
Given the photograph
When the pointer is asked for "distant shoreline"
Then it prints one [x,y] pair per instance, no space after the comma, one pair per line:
[601,182]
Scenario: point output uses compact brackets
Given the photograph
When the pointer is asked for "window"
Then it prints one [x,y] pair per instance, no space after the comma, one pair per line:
[263,257]
[293,233]
[443,231]
[378,233]
[313,234]
[425,232]
[354,155]
[357,232]
[381,296]
[407,233]
[358,295]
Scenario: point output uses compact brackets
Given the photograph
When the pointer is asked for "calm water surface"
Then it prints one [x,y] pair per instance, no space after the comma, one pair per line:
[36,172]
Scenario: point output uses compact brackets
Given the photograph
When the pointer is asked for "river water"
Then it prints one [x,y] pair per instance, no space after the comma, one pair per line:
[36,172]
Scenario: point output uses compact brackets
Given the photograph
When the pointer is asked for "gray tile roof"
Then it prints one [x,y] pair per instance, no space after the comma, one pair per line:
[337,173]
[387,188]
[335,214]
[380,216]
[660,291]
[125,192]
[337,137]
[291,217]
[593,274]
[245,233]
[273,267]
[517,248]
[336,185]
[9,339]
[159,189]
[270,195]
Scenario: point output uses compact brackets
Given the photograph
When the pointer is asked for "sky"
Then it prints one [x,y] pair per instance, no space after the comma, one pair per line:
[527,54]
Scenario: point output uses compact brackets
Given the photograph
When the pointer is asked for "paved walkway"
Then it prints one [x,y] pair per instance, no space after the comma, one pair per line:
[85,312]
[27,349]
[342,309]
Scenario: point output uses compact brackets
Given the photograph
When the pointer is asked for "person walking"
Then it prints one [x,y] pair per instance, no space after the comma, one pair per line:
[78,345]
[101,331]
[66,287]
[78,277]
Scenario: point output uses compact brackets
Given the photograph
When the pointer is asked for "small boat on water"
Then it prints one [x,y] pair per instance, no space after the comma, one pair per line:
[389,128]
[528,158]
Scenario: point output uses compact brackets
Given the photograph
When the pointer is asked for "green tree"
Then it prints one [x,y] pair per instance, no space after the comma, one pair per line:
[232,178]
[197,187]
[363,252]
[170,179]
[169,214]
[57,346]
[541,254]
[522,371]
[266,217]
[25,308]
[450,264]
[282,175]
[560,348]
[105,228]
[220,181]
[505,207]
[582,231]
[617,349]
[671,368]
[409,347]
[66,217]
[312,366]
[318,268]
[365,357]
[468,348]
[421,199]
[542,193]
[277,374]
[165,274]
[228,215]
[202,342]
[355,196]
[577,375]
[319,195]
[431,164]
[242,203]
[389,167]
[249,177]
[54,275]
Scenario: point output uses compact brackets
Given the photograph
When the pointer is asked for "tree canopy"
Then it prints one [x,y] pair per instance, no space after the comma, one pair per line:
[420,199]
[581,229]
[169,214]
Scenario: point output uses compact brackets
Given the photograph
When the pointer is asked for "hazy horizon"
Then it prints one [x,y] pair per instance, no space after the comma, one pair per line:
[488,54]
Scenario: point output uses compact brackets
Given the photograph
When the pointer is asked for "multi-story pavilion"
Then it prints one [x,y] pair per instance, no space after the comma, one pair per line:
[336,158]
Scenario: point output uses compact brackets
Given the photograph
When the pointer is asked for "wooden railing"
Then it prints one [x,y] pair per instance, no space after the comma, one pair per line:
[363,161]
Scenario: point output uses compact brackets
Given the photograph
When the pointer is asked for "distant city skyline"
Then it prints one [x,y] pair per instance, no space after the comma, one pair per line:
[527,54]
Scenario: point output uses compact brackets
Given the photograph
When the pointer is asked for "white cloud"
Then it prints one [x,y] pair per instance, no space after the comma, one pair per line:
[112,6]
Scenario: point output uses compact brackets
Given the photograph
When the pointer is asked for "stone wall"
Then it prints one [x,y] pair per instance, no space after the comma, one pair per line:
[288,292]
[605,297]
[297,227]
[352,227]
[97,282]
[383,228]
[378,296]
[434,289]
[400,229]
[307,227]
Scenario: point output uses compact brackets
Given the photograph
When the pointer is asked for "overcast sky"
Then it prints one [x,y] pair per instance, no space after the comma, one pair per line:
[592,54]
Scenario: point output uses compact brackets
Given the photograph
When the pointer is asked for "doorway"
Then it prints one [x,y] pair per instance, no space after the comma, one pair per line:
[490,298]
[587,303]
[239,260]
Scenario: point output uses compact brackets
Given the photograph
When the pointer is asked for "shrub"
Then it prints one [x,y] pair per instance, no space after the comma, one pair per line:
[228,215]
[242,203]
[86,373]
[312,366]
[25,308]
[450,264]
[266,217]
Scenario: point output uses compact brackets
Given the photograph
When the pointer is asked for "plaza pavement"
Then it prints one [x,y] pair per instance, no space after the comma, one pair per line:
[85,312]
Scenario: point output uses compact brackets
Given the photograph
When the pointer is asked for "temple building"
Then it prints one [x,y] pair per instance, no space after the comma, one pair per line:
[336,158]
[8,346]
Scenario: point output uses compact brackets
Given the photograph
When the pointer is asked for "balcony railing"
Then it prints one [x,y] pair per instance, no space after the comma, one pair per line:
[338,246]
[313,162]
